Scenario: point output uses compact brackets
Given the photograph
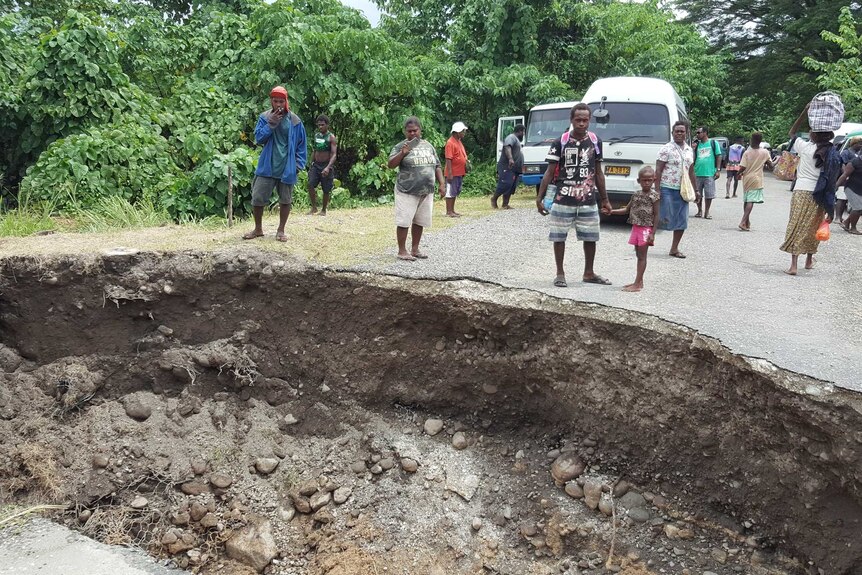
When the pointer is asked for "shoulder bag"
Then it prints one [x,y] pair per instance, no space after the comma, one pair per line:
[785,167]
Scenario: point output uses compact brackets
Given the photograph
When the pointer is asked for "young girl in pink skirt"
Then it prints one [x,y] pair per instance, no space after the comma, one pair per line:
[643,216]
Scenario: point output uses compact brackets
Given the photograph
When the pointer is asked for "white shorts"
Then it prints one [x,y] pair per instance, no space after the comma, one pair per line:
[411,209]
[840,194]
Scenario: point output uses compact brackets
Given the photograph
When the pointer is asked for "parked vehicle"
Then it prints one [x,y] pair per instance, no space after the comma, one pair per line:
[546,123]
[633,117]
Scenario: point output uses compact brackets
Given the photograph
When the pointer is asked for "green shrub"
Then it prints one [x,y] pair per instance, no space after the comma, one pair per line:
[129,160]
[203,193]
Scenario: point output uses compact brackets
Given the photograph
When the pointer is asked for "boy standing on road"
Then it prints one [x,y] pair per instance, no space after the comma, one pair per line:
[575,165]
[707,169]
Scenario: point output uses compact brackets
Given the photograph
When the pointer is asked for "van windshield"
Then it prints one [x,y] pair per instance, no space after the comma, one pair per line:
[632,122]
[545,126]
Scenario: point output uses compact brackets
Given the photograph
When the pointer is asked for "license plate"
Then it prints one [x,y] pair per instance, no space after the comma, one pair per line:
[532,169]
[618,170]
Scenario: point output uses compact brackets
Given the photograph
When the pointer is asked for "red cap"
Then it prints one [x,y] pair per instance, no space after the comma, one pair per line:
[278,91]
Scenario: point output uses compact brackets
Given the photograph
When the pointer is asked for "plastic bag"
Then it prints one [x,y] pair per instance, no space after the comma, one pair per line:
[550,194]
[823,234]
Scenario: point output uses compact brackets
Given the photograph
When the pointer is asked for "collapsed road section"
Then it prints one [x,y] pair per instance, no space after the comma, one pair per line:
[230,413]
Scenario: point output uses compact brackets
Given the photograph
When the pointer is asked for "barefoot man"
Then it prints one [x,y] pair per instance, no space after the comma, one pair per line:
[283,137]
[325,150]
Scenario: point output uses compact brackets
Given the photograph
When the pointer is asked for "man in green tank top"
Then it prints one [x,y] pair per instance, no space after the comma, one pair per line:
[324,150]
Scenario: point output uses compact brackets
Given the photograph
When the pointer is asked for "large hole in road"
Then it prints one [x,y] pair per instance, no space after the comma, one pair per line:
[232,413]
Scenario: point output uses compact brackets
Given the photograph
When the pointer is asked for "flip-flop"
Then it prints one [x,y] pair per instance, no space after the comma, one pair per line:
[697,216]
[420,256]
[251,235]
[281,237]
[597,279]
[854,232]
[406,258]
[560,281]
[679,255]
[707,217]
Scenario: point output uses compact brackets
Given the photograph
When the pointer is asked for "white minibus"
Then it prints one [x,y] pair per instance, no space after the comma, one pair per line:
[633,117]
[546,123]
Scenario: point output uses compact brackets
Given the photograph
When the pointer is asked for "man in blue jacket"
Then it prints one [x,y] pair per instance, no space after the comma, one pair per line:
[283,137]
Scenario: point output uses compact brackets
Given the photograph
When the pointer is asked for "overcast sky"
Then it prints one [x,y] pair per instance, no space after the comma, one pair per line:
[367,7]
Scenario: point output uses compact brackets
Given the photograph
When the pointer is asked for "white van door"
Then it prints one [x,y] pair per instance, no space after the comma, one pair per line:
[505,126]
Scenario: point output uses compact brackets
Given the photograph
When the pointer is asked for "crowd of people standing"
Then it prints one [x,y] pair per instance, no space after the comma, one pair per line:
[572,191]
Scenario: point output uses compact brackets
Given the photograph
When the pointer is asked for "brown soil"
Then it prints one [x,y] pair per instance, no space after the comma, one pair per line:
[756,463]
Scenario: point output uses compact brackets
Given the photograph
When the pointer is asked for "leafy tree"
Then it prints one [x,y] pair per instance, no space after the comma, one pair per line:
[769,40]
[844,75]
[75,82]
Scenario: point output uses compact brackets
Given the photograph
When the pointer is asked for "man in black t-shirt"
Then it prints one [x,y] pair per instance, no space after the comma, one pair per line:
[575,169]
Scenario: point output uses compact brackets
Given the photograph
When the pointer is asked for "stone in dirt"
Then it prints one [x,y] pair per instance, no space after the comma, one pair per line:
[639,514]
[574,490]
[308,488]
[409,465]
[184,542]
[320,499]
[341,495]
[197,511]
[592,493]
[433,426]
[566,467]
[357,467]
[459,441]
[632,500]
[209,520]
[387,463]
[463,485]
[221,480]
[136,408]
[139,502]
[193,487]
[606,507]
[266,465]
[253,545]
[100,461]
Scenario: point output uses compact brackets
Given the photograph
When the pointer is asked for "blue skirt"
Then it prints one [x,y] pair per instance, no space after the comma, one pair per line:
[673,210]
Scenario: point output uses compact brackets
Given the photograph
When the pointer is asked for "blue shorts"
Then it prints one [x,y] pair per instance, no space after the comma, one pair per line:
[673,210]
[584,218]
[453,188]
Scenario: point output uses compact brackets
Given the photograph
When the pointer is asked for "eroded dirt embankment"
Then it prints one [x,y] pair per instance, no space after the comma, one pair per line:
[735,436]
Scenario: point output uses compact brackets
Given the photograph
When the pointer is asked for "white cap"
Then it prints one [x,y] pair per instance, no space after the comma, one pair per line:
[459,127]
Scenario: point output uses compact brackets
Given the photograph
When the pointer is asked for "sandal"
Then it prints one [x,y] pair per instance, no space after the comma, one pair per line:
[251,235]
[407,258]
[560,281]
[679,255]
[597,279]
[281,237]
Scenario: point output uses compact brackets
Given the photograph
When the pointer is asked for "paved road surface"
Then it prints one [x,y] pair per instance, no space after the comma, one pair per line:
[44,548]
[731,286]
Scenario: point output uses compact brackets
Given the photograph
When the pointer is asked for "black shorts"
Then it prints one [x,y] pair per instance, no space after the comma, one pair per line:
[315,177]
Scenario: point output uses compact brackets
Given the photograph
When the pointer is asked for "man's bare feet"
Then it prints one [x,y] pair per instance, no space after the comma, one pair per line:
[322,212]
[809,263]
[632,288]
[253,234]
[311,212]
[406,257]
[790,272]
[419,255]
[452,215]
[493,202]
[280,237]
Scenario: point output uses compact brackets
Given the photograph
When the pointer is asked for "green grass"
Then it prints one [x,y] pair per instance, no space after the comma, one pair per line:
[115,212]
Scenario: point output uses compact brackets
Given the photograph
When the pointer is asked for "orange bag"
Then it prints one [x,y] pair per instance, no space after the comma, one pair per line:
[822,234]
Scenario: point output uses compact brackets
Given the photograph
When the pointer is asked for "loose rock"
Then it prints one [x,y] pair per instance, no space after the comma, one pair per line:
[592,493]
[137,409]
[320,499]
[139,502]
[433,426]
[566,467]
[253,545]
[193,488]
[341,495]
[221,480]
[266,465]
[459,441]
[409,465]
[574,490]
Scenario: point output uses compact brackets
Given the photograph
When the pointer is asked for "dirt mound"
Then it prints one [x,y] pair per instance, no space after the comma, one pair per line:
[226,411]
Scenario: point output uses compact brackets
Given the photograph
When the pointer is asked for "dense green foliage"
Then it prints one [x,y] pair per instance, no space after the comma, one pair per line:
[118,102]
